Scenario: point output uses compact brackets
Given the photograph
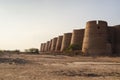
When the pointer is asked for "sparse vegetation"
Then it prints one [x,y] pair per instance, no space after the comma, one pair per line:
[74,47]
[58,67]
[32,50]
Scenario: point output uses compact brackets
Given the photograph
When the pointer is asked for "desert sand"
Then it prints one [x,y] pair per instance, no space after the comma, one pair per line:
[58,67]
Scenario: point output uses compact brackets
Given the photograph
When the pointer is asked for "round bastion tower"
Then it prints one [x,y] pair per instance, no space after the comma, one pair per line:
[77,37]
[66,41]
[41,47]
[96,38]
[46,46]
[59,43]
[117,39]
[53,44]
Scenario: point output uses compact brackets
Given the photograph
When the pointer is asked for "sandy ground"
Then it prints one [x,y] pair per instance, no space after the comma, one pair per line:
[49,67]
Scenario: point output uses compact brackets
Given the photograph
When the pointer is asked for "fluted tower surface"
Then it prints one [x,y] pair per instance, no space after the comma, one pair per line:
[53,45]
[49,45]
[41,47]
[117,39]
[45,48]
[96,38]
[77,37]
[44,44]
[66,41]
[111,38]
[59,43]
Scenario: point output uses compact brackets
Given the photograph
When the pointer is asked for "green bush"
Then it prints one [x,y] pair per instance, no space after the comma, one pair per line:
[32,50]
[73,47]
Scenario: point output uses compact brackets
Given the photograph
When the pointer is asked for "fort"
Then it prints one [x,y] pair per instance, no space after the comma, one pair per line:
[98,38]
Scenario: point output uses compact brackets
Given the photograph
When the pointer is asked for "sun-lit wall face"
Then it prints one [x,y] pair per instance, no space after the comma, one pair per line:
[27,23]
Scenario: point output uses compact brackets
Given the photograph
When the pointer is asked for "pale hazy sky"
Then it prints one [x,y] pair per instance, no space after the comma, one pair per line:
[27,23]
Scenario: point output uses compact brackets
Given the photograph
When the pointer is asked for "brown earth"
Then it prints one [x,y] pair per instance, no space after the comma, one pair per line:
[50,67]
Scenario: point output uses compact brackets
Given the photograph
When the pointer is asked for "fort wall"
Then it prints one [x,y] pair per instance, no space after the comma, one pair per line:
[96,39]
[53,45]
[49,45]
[41,47]
[77,37]
[44,44]
[111,38]
[59,43]
[66,41]
[117,39]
